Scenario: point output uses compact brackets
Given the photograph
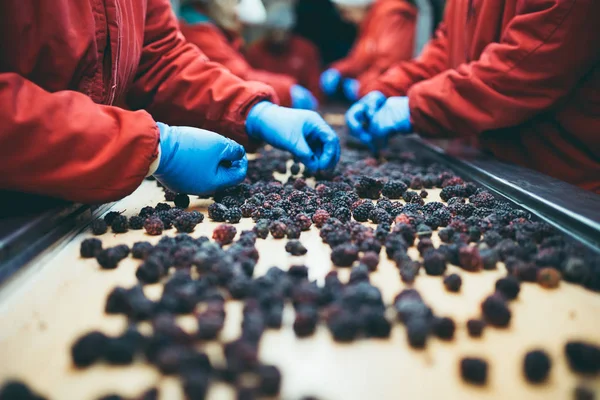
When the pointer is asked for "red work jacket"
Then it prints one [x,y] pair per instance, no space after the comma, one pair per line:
[225,48]
[386,37]
[67,67]
[300,60]
[523,77]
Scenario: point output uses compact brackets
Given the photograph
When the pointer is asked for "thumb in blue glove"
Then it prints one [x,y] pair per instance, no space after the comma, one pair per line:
[351,88]
[330,80]
[303,98]
[303,133]
[359,116]
[393,117]
[199,162]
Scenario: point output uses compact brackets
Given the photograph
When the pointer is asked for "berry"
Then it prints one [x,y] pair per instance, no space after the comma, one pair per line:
[88,349]
[306,321]
[295,169]
[548,278]
[136,222]
[167,219]
[140,250]
[169,195]
[343,214]
[509,287]
[343,326]
[413,197]
[434,263]
[583,357]
[99,227]
[417,330]
[110,217]
[162,207]
[584,393]
[470,259]
[453,282]
[474,370]
[370,259]
[423,194]
[344,255]
[575,270]
[185,223]
[536,366]
[269,375]
[292,231]
[379,215]
[261,228]
[147,211]
[217,212]
[320,217]
[483,199]
[233,215]
[496,311]
[295,248]
[110,258]
[16,390]
[475,327]
[362,212]
[449,192]
[90,248]
[277,229]
[444,328]
[303,221]
[394,189]
[369,188]
[224,234]
[182,200]
[119,224]
[490,258]
[154,226]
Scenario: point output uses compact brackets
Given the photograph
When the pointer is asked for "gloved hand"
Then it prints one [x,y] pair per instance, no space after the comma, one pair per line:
[303,98]
[393,117]
[330,80]
[303,133]
[351,88]
[199,162]
[359,116]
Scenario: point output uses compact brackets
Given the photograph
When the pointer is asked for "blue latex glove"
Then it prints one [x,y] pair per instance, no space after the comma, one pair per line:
[393,117]
[303,98]
[351,87]
[330,80]
[303,133]
[199,162]
[359,116]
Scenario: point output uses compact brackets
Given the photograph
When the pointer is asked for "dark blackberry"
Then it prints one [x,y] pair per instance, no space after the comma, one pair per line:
[109,258]
[292,231]
[369,188]
[474,370]
[360,273]
[424,231]
[122,250]
[162,207]
[277,229]
[167,219]
[583,357]
[303,221]
[306,320]
[409,271]
[444,328]
[136,222]
[119,224]
[417,330]
[295,169]
[217,212]
[413,197]
[140,250]
[197,216]
[453,282]
[483,199]
[376,325]
[344,255]
[536,366]
[583,393]
[575,270]
[343,214]
[449,192]
[247,209]
[233,215]
[261,228]
[320,217]
[394,189]
[147,211]
[343,326]
[446,234]
[379,215]
[270,379]
[99,227]
[185,223]
[169,195]
[424,245]
[490,258]
[88,349]
[434,262]
[90,248]
[295,248]
[224,234]
[509,287]
[407,232]
[496,311]
[423,194]
[362,212]
[182,200]
[119,351]
[370,259]
[475,327]
[150,271]
[443,215]
[154,226]
[469,259]
[110,217]
[548,278]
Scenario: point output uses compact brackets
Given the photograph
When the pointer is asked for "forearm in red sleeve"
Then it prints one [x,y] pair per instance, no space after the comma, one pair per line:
[282,84]
[178,85]
[64,145]
[546,49]
[401,76]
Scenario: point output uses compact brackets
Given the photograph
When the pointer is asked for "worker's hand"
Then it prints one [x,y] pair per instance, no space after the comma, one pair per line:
[330,80]
[359,116]
[199,162]
[393,117]
[351,87]
[303,98]
[303,133]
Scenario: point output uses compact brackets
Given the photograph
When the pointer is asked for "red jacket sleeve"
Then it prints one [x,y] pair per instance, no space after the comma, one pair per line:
[399,78]
[215,46]
[546,49]
[64,145]
[178,85]
[388,38]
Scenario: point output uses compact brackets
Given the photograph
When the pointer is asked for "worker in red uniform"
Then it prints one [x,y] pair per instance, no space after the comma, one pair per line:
[386,36]
[521,77]
[214,26]
[285,53]
[83,84]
